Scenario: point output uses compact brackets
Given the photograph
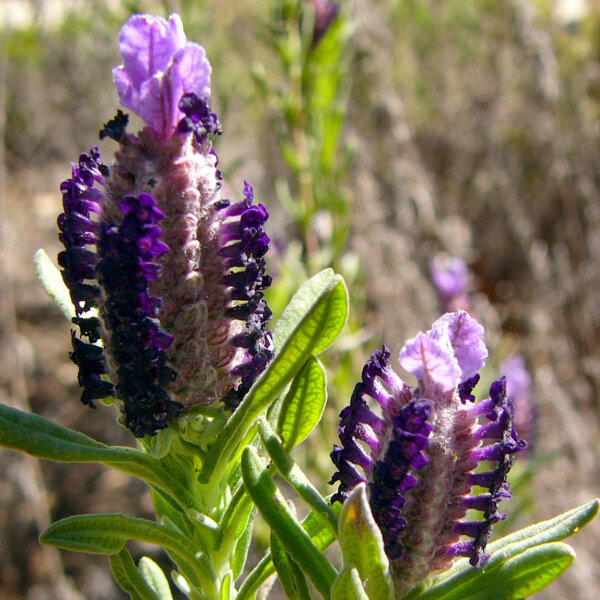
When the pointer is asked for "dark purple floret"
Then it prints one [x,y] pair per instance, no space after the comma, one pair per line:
[244,244]
[198,119]
[116,127]
[359,425]
[466,387]
[92,365]
[503,442]
[79,230]
[394,474]
[82,203]
[126,269]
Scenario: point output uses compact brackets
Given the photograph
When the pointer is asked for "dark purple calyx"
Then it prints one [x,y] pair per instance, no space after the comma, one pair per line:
[466,388]
[244,242]
[393,476]
[500,443]
[79,233]
[116,127]
[128,253]
[199,119]
[365,455]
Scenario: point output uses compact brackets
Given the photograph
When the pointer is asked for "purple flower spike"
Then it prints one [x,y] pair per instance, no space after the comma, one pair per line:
[176,271]
[159,67]
[419,455]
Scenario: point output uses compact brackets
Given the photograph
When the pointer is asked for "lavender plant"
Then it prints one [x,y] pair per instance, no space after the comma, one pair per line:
[164,279]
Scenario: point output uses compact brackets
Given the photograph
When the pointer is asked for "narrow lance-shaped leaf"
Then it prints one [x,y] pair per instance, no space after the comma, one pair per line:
[362,545]
[303,404]
[129,578]
[462,578]
[553,530]
[274,510]
[53,283]
[290,575]
[108,534]
[292,473]
[316,320]
[321,536]
[155,578]
[513,578]
[348,586]
[40,437]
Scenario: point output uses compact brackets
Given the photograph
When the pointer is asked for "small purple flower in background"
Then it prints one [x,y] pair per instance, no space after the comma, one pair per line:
[420,450]
[518,391]
[326,12]
[452,280]
[174,272]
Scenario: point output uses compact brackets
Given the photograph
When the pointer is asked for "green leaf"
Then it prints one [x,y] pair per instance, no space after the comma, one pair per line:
[238,560]
[293,537]
[521,550]
[290,575]
[40,437]
[348,586]
[304,300]
[292,473]
[108,534]
[53,283]
[524,574]
[314,318]
[129,578]
[552,530]
[362,545]
[227,588]
[155,578]
[513,578]
[303,405]
[321,536]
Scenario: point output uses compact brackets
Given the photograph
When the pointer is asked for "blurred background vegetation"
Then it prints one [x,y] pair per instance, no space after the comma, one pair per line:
[411,127]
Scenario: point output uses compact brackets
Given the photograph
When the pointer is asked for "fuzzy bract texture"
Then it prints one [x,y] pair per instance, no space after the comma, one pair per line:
[173,269]
[419,449]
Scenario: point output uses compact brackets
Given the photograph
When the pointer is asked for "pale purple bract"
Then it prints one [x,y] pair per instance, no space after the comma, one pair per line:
[159,67]
[448,354]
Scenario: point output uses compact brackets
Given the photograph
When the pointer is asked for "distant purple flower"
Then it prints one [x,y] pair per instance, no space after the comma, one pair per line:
[452,280]
[326,12]
[518,391]
[175,271]
[420,457]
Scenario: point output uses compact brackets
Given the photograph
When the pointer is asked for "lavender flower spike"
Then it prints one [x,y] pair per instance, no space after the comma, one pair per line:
[420,454]
[176,271]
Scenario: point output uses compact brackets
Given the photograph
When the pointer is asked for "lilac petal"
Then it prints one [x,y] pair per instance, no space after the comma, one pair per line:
[431,361]
[466,337]
[159,67]
[147,44]
[189,71]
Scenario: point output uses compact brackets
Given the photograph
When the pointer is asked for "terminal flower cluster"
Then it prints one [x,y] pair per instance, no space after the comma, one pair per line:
[166,274]
[420,449]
